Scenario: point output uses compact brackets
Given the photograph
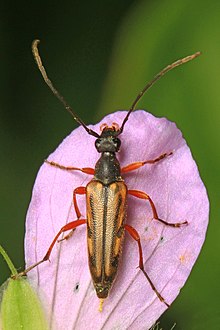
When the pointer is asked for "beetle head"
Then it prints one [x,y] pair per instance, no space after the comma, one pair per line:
[108,140]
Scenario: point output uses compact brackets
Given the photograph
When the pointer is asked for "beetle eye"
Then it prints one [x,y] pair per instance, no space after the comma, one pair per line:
[117,143]
[97,143]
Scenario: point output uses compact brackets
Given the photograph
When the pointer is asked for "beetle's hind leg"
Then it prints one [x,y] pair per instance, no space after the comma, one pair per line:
[134,234]
[68,226]
[143,195]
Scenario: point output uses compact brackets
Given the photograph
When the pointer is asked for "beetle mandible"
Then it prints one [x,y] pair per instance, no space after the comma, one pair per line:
[106,196]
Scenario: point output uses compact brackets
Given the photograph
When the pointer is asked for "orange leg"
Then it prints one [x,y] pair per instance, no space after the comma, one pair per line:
[136,165]
[143,195]
[77,191]
[86,170]
[68,226]
[134,234]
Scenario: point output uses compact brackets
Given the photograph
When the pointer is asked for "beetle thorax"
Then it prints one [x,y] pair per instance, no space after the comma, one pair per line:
[107,169]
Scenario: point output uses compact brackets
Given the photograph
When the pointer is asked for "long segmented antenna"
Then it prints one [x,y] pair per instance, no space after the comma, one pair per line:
[153,81]
[54,90]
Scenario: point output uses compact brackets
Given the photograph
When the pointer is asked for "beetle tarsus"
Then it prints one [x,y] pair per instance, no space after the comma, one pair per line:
[67,236]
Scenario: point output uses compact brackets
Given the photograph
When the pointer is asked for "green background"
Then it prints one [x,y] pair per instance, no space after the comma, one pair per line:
[99,55]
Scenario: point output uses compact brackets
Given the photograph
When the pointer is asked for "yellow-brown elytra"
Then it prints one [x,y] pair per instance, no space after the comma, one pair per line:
[106,196]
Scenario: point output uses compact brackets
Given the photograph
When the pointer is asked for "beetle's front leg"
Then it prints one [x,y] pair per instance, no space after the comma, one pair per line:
[136,165]
[87,170]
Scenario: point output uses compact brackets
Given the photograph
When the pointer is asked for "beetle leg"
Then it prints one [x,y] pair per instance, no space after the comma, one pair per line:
[143,195]
[136,165]
[134,234]
[87,170]
[68,226]
[77,191]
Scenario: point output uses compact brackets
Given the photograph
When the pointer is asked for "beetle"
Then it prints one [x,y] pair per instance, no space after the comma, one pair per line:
[106,196]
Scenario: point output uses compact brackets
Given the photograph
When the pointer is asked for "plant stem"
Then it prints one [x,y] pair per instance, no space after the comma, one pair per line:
[8,261]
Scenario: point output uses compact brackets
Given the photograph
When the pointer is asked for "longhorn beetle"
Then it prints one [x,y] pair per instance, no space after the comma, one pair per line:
[106,196]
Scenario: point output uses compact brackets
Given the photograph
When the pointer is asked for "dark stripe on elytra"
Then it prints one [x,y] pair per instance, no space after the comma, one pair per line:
[114,262]
[116,188]
[92,232]
[106,188]
[91,202]
[118,209]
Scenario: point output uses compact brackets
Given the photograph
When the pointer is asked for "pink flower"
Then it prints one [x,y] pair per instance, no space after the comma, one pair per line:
[169,253]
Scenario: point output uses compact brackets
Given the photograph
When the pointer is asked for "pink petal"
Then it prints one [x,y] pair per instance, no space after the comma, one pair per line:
[169,253]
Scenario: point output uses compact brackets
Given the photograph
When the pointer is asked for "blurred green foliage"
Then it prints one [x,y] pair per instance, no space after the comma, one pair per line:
[100,55]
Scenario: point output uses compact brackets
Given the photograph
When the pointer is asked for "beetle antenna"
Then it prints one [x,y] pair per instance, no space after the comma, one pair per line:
[55,91]
[154,80]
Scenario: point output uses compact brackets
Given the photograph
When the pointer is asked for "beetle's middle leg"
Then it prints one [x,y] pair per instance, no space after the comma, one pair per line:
[134,234]
[143,195]
[77,191]
[136,165]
